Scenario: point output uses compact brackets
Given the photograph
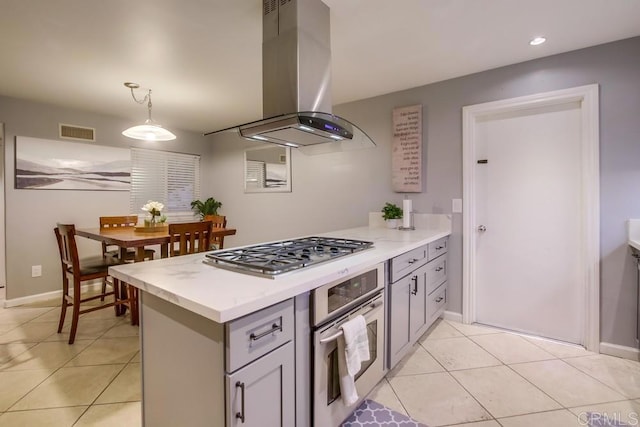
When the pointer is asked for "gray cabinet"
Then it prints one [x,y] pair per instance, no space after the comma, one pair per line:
[260,361]
[417,295]
[636,254]
[408,309]
[436,303]
[638,303]
[256,334]
[398,324]
[417,304]
[196,372]
[263,392]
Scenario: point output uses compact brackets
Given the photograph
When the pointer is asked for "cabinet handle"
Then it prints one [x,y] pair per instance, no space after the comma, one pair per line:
[415,285]
[439,269]
[439,299]
[412,260]
[274,328]
[241,413]
[439,248]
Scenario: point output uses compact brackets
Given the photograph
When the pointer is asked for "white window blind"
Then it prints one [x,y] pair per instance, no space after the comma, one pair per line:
[170,178]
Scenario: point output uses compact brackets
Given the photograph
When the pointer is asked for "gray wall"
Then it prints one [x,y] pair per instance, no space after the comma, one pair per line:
[31,215]
[330,191]
[337,190]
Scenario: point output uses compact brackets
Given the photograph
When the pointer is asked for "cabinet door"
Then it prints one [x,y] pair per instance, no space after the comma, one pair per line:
[263,392]
[417,304]
[398,319]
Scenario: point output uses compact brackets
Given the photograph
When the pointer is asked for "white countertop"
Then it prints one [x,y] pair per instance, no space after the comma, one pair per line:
[633,230]
[222,295]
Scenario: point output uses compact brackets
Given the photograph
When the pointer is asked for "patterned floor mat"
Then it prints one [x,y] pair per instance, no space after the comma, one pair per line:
[373,414]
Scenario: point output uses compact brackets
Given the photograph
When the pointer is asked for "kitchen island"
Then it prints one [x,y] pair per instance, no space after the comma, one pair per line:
[209,334]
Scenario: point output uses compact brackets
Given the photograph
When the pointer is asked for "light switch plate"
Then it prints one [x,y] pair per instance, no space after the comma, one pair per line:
[456,205]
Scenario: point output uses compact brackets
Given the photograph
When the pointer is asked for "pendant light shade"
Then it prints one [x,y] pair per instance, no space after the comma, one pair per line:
[150,130]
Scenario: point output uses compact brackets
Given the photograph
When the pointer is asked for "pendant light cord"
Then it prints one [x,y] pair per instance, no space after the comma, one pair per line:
[147,99]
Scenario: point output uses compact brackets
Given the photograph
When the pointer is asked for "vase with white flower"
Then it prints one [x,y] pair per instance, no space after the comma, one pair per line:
[155,210]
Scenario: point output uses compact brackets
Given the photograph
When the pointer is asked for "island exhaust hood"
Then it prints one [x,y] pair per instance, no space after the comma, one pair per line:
[296,82]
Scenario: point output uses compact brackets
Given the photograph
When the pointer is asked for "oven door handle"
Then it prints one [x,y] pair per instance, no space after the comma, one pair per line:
[335,336]
[332,337]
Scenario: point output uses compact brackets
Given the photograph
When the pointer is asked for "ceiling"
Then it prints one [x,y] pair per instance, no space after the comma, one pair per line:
[202,58]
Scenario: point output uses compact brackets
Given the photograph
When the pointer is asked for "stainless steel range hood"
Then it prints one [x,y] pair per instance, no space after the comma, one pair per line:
[296,82]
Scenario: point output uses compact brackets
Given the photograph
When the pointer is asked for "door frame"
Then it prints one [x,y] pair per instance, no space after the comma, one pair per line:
[587,96]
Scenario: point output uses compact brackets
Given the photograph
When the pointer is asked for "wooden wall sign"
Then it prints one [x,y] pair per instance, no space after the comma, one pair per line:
[406,154]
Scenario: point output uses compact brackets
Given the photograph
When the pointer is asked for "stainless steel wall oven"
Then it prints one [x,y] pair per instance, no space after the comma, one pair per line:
[334,304]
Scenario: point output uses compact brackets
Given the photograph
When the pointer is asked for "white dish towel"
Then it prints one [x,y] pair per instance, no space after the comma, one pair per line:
[353,349]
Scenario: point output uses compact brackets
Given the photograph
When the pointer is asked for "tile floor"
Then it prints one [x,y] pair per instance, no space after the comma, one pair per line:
[44,381]
[456,374]
[482,377]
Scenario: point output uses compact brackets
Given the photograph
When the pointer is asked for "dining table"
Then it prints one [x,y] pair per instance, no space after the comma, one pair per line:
[132,237]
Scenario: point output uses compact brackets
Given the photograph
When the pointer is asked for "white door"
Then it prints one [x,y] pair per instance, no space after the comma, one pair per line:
[528,201]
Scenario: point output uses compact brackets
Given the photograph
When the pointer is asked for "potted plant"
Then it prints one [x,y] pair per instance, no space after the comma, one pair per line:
[391,213]
[208,207]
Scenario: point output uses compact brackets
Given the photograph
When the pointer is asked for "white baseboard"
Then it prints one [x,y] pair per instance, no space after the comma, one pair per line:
[630,353]
[30,299]
[14,302]
[453,316]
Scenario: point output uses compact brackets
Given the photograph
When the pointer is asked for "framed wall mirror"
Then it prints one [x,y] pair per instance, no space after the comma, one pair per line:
[267,169]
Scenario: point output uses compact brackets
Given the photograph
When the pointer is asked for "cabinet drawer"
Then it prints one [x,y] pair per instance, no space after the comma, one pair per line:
[438,248]
[437,302]
[255,335]
[407,262]
[436,272]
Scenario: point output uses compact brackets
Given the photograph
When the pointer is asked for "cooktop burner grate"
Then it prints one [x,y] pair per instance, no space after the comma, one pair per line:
[272,259]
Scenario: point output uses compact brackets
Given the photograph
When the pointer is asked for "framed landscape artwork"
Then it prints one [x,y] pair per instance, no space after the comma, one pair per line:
[44,164]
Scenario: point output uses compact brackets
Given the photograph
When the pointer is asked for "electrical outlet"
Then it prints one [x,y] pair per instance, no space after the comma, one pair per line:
[456,206]
[36,270]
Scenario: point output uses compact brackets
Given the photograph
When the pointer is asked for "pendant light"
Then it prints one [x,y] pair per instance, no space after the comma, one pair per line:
[150,130]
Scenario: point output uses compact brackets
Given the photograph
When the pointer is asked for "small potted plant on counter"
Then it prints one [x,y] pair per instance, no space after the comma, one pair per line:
[391,213]
[208,207]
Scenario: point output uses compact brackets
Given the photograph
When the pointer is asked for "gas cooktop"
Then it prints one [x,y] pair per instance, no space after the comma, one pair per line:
[272,259]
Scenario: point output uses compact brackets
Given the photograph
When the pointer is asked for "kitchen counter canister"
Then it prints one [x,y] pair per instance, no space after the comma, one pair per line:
[222,295]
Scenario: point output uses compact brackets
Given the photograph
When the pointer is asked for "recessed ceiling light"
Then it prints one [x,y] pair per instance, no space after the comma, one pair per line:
[536,41]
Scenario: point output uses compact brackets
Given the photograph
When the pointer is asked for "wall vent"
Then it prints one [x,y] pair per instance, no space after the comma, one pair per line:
[79,133]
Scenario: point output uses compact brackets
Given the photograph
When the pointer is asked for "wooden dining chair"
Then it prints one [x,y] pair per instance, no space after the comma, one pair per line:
[217,221]
[128,221]
[122,221]
[189,237]
[75,271]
